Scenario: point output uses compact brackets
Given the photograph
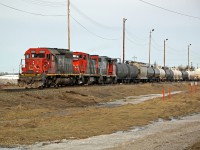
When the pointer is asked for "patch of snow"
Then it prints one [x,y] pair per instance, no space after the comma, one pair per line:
[9,79]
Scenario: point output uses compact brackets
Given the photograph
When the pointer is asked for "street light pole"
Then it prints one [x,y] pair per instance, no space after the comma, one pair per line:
[189,56]
[69,24]
[150,47]
[124,20]
[164,51]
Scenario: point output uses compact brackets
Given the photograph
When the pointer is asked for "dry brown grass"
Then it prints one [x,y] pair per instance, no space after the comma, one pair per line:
[196,146]
[48,115]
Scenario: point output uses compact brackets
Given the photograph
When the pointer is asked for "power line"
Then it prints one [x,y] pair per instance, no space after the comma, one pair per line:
[46,3]
[130,40]
[92,20]
[93,32]
[37,14]
[44,15]
[172,11]
[135,36]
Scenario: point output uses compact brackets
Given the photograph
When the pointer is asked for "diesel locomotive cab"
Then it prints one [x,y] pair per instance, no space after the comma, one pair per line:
[37,61]
[45,67]
[34,67]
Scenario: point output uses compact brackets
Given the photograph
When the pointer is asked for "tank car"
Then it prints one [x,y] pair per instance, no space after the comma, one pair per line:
[126,72]
[185,76]
[177,75]
[191,75]
[197,74]
[142,71]
[162,76]
[169,75]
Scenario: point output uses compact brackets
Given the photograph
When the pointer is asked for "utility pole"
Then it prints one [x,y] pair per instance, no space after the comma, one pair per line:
[164,51]
[69,24]
[150,47]
[124,20]
[134,58]
[189,56]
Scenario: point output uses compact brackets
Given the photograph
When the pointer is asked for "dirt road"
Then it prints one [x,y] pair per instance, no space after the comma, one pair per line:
[173,135]
[176,134]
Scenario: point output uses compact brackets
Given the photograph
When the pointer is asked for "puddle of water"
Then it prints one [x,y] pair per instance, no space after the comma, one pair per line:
[134,99]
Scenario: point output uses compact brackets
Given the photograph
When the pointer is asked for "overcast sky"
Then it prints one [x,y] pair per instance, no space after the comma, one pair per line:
[97,29]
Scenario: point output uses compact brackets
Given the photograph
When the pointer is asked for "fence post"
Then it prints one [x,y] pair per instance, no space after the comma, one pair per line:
[163,93]
[191,84]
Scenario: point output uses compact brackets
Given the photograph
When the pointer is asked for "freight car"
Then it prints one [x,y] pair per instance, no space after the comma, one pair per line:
[126,72]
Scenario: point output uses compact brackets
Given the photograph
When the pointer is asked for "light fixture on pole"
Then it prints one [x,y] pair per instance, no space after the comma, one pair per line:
[189,56]
[124,20]
[150,47]
[164,51]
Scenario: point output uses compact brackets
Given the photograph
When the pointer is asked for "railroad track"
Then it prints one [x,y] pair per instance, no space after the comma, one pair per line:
[75,86]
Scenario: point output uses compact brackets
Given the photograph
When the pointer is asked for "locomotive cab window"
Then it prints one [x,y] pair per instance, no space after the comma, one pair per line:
[76,57]
[33,55]
[48,56]
[27,56]
[41,55]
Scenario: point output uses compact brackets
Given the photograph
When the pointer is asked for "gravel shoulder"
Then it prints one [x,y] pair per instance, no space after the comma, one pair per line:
[173,135]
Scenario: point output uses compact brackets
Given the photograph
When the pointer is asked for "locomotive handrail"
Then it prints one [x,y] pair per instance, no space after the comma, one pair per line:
[21,65]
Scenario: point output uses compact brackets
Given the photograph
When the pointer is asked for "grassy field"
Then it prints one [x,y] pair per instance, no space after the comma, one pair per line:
[72,112]
[196,146]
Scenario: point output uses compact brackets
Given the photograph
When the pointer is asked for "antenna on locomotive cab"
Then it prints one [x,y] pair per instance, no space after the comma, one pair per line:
[69,24]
